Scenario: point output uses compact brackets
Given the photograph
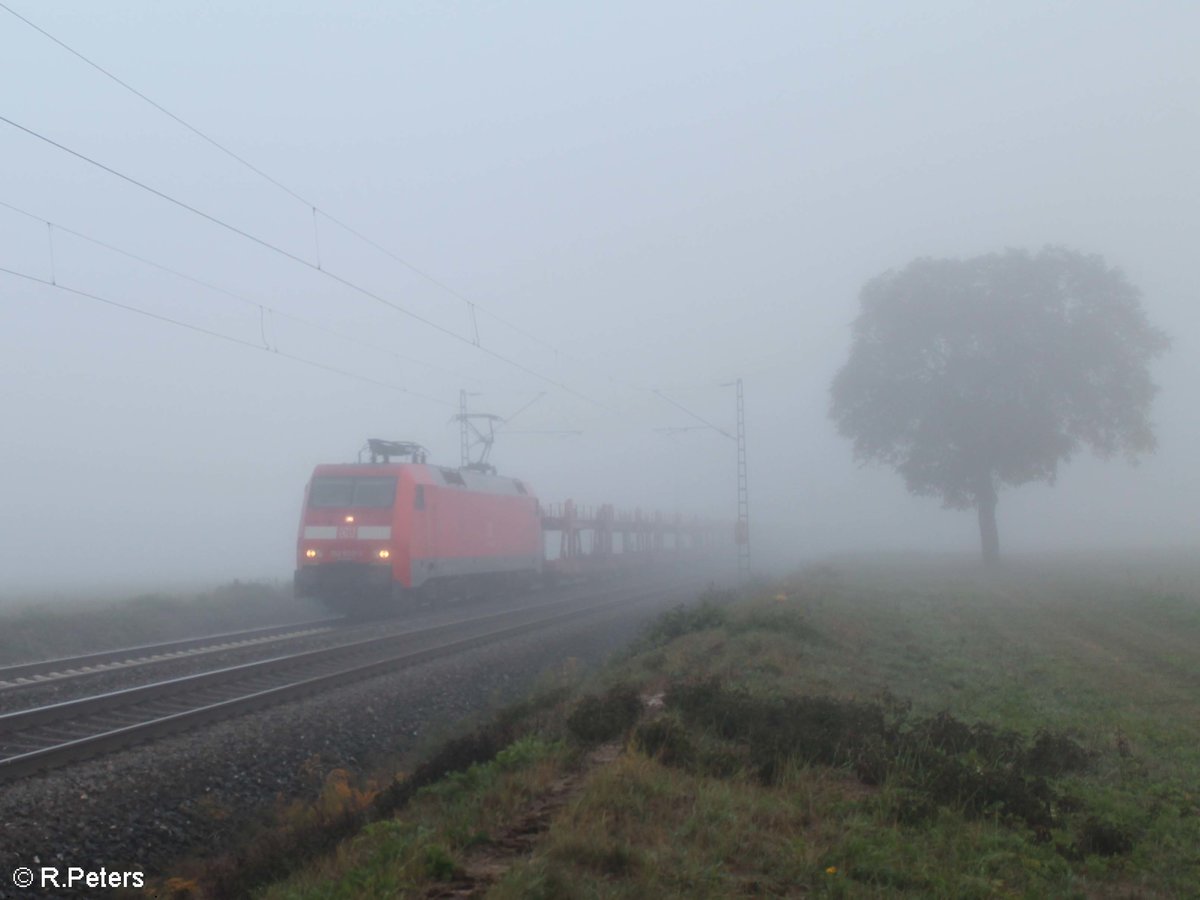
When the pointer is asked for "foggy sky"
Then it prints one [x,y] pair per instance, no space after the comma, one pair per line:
[659,196]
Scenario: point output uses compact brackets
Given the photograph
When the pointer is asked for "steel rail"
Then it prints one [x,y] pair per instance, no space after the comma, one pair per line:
[110,739]
[22,720]
[55,671]
[47,670]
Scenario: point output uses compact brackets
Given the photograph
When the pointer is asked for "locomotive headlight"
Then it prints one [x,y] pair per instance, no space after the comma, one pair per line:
[385,553]
[310,553]
[350,519]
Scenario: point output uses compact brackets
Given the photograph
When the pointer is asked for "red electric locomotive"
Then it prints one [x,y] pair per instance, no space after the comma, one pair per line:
[376,534]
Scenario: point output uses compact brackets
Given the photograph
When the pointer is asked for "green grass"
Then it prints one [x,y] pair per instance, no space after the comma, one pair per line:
[851,732]
[398,856]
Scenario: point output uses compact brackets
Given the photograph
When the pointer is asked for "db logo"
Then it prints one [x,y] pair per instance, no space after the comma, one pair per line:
[347,532]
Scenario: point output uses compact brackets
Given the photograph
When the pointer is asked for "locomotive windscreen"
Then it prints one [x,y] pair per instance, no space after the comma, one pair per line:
[372,490]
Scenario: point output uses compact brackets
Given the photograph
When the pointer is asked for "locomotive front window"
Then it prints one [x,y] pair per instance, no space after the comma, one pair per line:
[371,491]
[374,491]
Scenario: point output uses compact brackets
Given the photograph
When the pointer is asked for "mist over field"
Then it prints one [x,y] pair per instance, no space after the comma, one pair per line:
[603,216]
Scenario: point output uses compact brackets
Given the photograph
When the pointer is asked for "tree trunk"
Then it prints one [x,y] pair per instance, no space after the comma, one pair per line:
[989,536]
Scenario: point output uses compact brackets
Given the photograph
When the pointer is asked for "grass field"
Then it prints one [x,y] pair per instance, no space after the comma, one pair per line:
[32,630]
[853,731]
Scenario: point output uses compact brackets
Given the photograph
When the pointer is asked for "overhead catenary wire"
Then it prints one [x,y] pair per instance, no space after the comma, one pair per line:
[695,416]
[503,427]
[298,259]
[234,295]
[280,185]
[472,306]
[217,335]
[524,407]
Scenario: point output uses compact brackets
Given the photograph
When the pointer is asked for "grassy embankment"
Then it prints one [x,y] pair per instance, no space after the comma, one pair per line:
[877,733]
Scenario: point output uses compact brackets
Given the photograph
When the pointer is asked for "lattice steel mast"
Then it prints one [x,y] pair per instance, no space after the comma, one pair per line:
[743,494]
[464,437]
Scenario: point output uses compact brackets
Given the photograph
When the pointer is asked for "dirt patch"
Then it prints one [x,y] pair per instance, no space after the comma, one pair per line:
[487,862]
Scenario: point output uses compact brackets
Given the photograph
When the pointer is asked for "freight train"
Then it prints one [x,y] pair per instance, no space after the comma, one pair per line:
[381,535]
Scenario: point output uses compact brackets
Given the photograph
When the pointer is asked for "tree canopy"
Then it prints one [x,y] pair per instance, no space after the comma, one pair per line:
[968,375]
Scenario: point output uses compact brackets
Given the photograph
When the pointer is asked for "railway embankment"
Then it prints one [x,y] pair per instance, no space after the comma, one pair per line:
[847,732]
[208,790]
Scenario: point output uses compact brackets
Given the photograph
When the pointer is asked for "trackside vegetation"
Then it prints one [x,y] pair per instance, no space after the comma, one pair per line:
[852,732]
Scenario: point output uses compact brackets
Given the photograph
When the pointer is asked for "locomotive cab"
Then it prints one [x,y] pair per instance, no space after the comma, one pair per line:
[349,543]
[374,535]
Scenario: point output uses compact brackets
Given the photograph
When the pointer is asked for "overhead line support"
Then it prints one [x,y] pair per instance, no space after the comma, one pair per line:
[743,493]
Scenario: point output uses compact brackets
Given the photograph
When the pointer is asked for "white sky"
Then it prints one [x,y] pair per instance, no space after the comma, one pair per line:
[664,195]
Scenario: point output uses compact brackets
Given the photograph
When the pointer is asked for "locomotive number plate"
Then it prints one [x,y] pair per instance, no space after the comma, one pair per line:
[347,532]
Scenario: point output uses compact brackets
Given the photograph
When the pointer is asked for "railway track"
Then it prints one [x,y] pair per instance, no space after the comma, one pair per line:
[51,736]
[44,671]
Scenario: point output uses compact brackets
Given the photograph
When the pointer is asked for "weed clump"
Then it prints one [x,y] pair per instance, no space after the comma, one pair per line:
[980,787]
[611,860]
[934,762]
[667,740]
[603,717]
[683,619]
[439,864]
[1103,838]
[1054,754]
[456,755]
[947,734]
[786,621]
[819,730]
